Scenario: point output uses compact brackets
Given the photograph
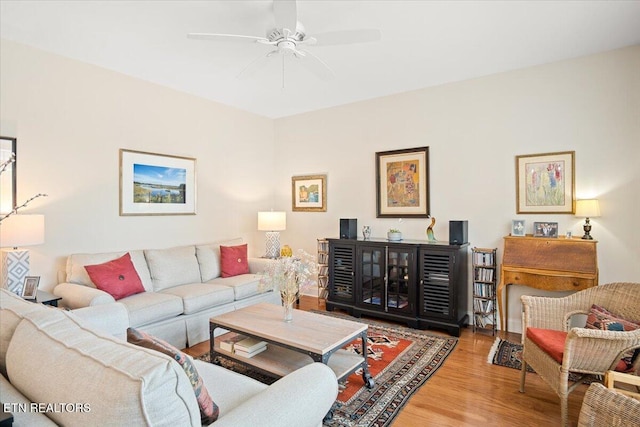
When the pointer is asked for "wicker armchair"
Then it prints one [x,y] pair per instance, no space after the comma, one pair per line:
[604,406]
[586,351]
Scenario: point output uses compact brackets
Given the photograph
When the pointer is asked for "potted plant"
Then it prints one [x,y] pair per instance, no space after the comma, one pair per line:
[394,235]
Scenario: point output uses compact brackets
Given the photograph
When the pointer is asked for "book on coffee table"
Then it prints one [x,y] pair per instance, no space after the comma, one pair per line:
[228,343]
[249,345]
[250,353]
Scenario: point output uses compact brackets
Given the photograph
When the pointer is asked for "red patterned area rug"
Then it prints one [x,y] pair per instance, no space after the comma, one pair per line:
[400,359]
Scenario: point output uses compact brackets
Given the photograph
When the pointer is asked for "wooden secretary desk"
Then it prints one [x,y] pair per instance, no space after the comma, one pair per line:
[551,264]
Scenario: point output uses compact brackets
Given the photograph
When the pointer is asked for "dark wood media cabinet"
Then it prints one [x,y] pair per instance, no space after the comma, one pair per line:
[422,283]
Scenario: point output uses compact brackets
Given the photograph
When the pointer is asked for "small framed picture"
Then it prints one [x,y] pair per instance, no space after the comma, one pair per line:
[30,288]
[517,227]
[545,229]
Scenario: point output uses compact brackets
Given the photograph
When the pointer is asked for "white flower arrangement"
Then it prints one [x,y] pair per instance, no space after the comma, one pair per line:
[290,275]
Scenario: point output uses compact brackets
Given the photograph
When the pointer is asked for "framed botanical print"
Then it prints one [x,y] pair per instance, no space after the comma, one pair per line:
[545,183]
[402,183]
[309,193]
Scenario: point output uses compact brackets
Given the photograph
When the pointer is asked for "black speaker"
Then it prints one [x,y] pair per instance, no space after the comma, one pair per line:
[348,228]
[458,232]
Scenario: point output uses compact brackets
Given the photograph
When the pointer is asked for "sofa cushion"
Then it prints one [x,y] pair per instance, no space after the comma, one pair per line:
[199,296]
[76,273]
[209,411]
[12,311]
[173,266]
[233,260]
[244,285]
[53,358]
[117,277]
[209,258]
[151,307]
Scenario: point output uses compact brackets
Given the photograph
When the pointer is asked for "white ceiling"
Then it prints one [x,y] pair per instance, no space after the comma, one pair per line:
[424,43]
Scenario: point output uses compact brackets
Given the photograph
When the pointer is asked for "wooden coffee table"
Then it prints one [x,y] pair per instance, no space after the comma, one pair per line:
[291,345]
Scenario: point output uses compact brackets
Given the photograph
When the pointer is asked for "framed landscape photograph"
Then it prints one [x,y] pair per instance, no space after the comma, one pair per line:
[545,183]
[545,229]
[8,175]
[402,183]
[156,184]
[30,288]
[309,193]
[517,227]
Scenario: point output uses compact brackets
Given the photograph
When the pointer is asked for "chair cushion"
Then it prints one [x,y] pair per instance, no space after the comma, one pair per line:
[199,296]
[209,411]
[117,277]
[233,260]
[552,343]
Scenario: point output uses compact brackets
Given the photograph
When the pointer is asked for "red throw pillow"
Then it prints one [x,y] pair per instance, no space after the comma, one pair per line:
[233,260]
[118,277]
[209,411]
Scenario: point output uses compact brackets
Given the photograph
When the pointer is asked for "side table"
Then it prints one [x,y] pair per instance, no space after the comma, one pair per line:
[46,298]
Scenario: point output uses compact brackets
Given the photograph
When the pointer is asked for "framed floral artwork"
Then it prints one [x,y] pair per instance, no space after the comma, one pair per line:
[156,184]
[309,193]
[402,183]
[545,183]
[7,174]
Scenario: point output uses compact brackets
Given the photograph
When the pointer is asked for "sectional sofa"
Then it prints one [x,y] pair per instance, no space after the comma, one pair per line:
[183,288]
[67,368]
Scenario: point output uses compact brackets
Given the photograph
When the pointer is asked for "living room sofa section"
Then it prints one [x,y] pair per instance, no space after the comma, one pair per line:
[183,288]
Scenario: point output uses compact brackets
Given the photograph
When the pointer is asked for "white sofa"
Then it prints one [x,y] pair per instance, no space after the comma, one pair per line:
[183,289]
[60,369]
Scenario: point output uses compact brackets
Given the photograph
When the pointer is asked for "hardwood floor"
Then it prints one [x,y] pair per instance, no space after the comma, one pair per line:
[468,391]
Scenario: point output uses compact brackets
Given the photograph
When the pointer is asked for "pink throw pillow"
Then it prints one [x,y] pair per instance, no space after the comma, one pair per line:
[233,260]
[118,277]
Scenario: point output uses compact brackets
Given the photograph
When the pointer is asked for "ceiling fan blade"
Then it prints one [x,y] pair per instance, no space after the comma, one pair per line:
[286,14]
[256,65]
[314,64]
[226,37]
[347,37]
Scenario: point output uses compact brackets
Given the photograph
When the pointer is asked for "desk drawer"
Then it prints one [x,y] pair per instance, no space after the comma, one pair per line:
[546,282]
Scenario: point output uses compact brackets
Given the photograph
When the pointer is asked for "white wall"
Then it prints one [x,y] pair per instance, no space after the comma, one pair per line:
[474,130]
[71,119]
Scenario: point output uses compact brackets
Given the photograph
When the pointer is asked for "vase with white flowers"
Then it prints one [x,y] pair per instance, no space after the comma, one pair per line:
[290,275]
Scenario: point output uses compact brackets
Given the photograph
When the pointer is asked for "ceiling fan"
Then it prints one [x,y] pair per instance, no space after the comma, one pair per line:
[288,39]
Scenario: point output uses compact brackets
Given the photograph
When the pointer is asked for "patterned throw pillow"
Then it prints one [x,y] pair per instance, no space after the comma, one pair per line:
[601,318]
[233,260]
[118,277]
[209,411]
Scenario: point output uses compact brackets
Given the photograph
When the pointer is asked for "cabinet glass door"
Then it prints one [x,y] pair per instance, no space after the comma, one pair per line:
[399,272]
[371,276]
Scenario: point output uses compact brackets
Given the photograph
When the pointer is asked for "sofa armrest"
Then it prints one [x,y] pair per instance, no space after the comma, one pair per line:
[78,296]
[302,399]
[258,265]
[112,319]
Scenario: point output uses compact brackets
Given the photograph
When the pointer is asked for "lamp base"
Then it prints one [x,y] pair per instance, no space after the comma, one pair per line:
[587,230]
[15,267]
[273,244]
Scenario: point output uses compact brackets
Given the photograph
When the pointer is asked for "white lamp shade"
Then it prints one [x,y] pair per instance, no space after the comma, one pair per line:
[22,230]
[272,221]
[588,208]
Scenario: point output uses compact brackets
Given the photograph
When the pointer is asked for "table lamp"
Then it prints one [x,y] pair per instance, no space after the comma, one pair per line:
[272,223]
[588,208]
[18,231]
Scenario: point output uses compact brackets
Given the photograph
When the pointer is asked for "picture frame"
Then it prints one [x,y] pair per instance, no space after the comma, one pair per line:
[30,287]
[8,176]
[545,229]
[156,184]
[545,183]
[309,193]
[518,227]
[402,183]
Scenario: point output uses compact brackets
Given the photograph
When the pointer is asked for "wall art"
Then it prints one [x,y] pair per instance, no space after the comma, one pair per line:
[8,176]
[309,193]
[402,183]
[156,184]
[545,183]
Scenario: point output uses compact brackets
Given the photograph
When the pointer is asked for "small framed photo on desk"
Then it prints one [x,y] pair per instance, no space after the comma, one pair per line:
[545,229]
[30,288]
